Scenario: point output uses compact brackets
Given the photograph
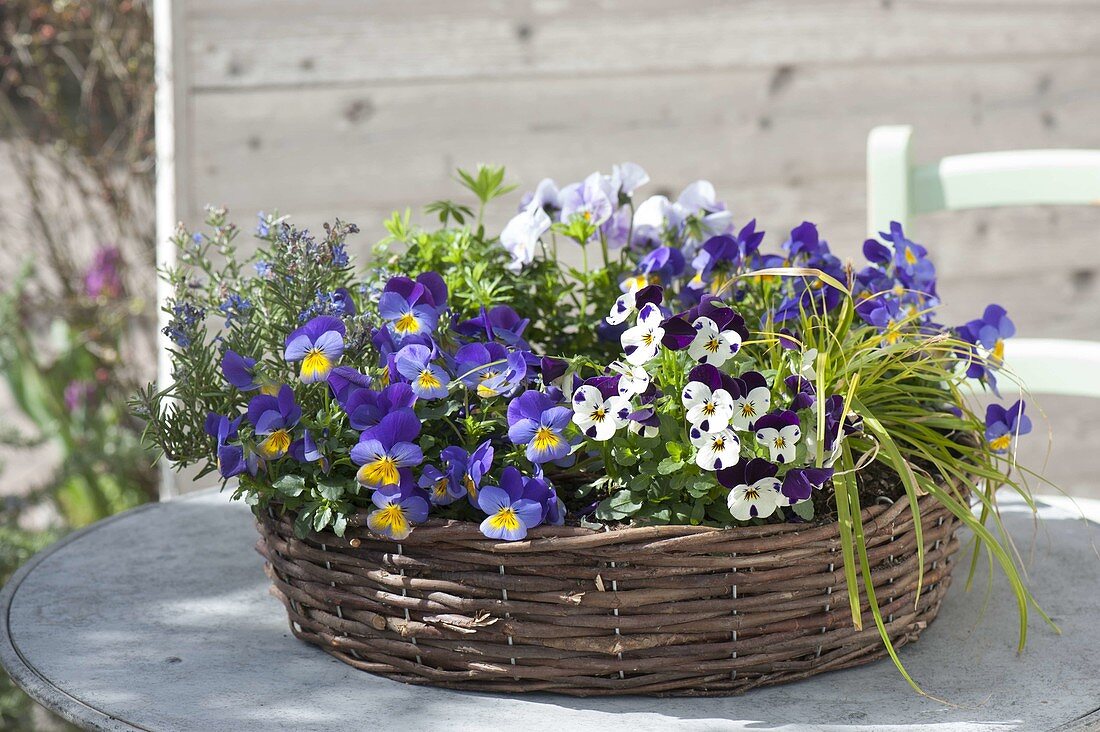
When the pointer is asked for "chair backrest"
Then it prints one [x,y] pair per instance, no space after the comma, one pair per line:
[897,189]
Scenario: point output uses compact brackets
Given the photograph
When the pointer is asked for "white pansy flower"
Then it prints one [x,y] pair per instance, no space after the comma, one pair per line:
[642,342]
[599,418]
[708,411]
[715,451]
[633,380]
[521,235]
[758,500]
[749,407]
[712,345]
[780,434]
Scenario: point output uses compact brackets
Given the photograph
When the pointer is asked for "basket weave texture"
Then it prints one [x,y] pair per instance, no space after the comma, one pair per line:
[662,610]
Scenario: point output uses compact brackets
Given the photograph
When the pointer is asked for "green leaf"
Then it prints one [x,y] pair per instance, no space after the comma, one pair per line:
[322,518]
[302,523]
[330,490]
[804,510]
[340,524]
[700,488]
[618,506]
[669,466]
[290,485]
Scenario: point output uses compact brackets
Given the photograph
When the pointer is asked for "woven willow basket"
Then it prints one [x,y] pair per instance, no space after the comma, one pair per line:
[666,610]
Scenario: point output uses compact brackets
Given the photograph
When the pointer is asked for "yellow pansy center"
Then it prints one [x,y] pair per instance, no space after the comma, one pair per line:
[406,324]
[428,380]
[780,442]
[748,409]
[380,471]
[316,365]
[505,518]
[275,445]
[1002,442]
[998,351]
[910,257]
[471,486]
[712,345]
[546,439]
[752,494]
[482,389]
[599,415]
[647,338]
[390,520]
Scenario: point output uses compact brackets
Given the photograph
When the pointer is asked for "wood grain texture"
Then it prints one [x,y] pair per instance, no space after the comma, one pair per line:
[352,109]
[249,43]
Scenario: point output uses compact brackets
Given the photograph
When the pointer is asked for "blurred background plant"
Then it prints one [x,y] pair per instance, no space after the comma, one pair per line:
[77,313]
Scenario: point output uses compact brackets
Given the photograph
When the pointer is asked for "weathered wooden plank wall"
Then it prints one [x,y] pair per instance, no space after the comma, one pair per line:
[348,108]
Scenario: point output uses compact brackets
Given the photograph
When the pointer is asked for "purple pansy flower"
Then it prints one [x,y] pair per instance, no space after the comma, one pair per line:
[273,418]
[539,424]
[754,489]
[588,200]
[552,369]
[490,369]
[386,451]
[991,330]
[344,381]
[800,483]
[510,514]
[501,323]
[397,510]
[428,380]
[802,390]
[661,265]
[306,450]
[1002,425]
[467,470]
[366,408]
[884,313]
[441,487]
[911,264]
[779,432]
[318,345]
[239,370]
[412,308]
[231,459]
[539,490]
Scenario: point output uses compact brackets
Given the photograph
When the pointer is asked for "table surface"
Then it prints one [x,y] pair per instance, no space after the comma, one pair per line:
[159,619]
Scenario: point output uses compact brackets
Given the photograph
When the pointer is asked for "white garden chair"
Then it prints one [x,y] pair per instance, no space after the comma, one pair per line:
[897,189]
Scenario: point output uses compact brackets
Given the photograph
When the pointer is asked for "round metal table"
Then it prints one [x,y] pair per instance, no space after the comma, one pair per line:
[159,619]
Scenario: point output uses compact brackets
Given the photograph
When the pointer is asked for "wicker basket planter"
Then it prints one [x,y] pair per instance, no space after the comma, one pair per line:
[666,610]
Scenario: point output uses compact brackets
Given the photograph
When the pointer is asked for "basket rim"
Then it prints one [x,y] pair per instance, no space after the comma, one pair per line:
[548,538]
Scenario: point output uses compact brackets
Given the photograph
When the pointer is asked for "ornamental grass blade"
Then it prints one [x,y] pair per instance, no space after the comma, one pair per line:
[908,479]
[844,486]
[869,586]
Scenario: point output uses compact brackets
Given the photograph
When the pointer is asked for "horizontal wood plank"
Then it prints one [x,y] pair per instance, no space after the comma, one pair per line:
[286,43]
[777,155]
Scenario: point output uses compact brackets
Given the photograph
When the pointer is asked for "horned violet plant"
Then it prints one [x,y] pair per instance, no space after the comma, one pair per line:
[681,373]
